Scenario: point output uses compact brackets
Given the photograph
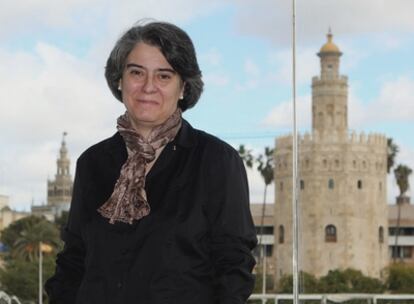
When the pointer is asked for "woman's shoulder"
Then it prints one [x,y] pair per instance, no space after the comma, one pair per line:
[216,148]
[113,144]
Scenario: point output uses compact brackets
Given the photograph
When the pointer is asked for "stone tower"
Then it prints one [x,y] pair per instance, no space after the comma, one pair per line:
[59,191]
[341,185]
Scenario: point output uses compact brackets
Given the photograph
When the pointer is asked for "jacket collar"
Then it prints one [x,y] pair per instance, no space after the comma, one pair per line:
[186,138]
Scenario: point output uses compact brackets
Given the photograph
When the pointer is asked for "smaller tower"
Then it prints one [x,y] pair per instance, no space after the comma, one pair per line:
[330,94]
[59,192]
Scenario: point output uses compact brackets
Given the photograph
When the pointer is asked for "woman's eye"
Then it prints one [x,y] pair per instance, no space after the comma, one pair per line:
[136,72]
[164,77]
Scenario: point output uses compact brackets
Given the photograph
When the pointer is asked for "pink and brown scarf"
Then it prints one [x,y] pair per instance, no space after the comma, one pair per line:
[128,201]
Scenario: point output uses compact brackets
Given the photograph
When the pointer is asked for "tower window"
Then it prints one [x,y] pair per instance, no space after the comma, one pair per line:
[354,163]
[380,186]
[330,234]
[325,163]
[302,184]
[281,234]
[337,163]
[381,234]
[331,183]
[281,186]
[359,184]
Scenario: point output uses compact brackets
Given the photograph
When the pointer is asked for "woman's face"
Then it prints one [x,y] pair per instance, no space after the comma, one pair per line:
[150,87]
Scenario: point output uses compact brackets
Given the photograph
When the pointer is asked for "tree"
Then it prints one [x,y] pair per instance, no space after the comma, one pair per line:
[400,278]
[392,150]
[24,236]
[20,277]
[309,283]
[401,173]
[266,170]
[246,156]
[349,280]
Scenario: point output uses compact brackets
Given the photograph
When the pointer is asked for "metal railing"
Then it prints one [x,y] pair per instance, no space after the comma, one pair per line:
[335,298]
[4,297]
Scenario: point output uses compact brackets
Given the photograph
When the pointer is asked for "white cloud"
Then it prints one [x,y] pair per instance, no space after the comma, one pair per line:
[46,93]
[394,104]
[211,57]
[314,17]
[281,115]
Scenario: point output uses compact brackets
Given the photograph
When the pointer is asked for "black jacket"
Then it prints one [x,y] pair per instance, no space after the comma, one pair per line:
[194,246]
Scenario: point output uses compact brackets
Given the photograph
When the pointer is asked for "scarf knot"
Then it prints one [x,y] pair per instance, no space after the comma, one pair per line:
[128,201]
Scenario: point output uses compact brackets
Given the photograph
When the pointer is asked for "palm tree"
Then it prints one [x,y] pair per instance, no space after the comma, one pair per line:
[32,235]
[265,167]
[401,173]
[392,150]
[246,156]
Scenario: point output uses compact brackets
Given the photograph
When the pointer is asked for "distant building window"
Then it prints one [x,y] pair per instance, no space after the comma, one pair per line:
[380,186]
[302,184]
[354,163]
[402,252]
[325,163]
[307,163]
[281,234]
[331,183]
[330,234]
[281,186]
[359,184]
[364,164]
[337,163]
[381,234]
[268,250]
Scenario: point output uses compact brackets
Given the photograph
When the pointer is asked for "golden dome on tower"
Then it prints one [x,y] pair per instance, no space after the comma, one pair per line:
[329,46]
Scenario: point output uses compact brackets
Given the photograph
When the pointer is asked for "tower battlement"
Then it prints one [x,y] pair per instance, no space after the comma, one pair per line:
[371,139]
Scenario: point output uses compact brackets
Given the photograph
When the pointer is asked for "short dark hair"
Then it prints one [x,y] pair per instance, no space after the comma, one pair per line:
[174,44]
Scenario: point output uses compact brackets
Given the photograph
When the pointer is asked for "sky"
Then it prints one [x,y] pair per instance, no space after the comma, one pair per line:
[53,53]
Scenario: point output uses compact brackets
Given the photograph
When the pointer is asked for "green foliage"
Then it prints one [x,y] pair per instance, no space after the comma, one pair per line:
[308,283]
[265,165]
[400,278]
[21,278]
[246,156]
[13,231]
[349,280]
[336,281]
[392,150]
[401,173]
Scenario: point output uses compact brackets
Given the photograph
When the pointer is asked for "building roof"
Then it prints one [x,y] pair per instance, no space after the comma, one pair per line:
[329,46]
[406,213]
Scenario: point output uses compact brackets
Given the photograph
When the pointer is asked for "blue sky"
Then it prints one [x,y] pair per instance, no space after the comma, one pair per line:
[52,55]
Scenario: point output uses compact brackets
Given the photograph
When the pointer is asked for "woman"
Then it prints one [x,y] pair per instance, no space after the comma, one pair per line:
[160,211]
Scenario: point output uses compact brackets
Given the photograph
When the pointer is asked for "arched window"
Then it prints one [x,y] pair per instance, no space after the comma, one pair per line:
[381,234]
[281,234]
[359,184]
[331,183]
[330,233]
[302,184]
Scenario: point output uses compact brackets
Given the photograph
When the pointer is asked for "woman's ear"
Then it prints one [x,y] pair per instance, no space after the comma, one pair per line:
[182,91]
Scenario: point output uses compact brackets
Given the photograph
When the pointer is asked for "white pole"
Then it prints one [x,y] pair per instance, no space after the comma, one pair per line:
[40,274]
[295,202]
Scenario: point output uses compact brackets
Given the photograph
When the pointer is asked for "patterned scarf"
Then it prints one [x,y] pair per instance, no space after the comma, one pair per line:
[128,201]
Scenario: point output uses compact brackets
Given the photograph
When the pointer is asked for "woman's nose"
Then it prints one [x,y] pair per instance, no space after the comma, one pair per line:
[149,85]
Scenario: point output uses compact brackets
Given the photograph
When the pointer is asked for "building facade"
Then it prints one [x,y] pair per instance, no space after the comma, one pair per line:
[341,185]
